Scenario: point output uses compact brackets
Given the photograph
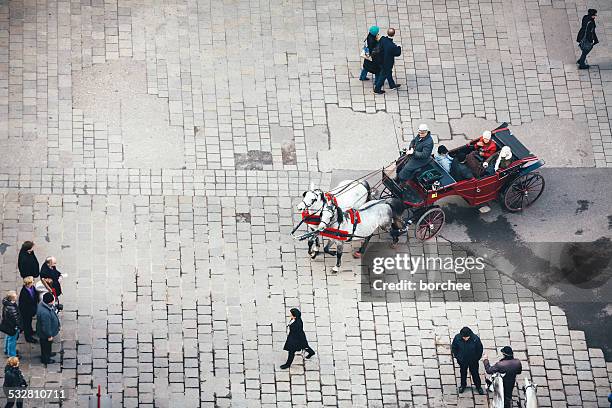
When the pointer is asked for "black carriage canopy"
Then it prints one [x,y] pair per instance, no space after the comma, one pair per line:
[506,138]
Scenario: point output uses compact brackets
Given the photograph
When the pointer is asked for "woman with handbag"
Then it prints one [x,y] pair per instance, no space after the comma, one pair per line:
[368,54]
[587,37]
[296,339]
[13,380]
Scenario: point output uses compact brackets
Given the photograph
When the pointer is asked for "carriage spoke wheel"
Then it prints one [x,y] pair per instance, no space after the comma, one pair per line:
[523,192]
[430,224]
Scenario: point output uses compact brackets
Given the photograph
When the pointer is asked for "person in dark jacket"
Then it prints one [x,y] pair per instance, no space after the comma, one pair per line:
[27,262]
[467,350]
[28,302]
[12,320]
[49,270]
[390,50]
[296,340]
[47,327]
[371,42]
[586,37]
[509,366]
[459,170]
[13,378]
[420,148]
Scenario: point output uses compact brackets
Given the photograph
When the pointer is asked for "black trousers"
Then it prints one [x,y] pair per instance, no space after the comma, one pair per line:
[292,355]
[45,349]
[582,60]
[12,404]
[27,326]
[463,369]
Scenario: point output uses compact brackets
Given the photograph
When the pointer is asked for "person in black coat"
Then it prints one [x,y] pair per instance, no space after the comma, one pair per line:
[510,367]
[11,320]
[28,302]
[13,378]
[467,350]
[296,339]
[49,270]
[390,50]
[459,170]
[371,55]
[586,37]
[27,262]
[420,150]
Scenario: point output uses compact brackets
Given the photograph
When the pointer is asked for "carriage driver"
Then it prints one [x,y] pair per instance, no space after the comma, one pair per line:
[420,149]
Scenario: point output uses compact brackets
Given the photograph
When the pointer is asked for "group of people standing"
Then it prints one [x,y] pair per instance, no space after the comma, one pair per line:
[40,300]
[378,56]
[467,349]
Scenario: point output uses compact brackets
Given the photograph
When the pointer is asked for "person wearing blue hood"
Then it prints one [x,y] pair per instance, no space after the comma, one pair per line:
[296,339]
[371,54]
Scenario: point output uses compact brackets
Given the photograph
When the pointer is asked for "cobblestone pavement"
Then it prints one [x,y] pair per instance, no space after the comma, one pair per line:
[155,148]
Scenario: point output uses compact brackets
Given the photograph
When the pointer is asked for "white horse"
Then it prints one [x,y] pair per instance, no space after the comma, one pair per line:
[341,227]
[496,385]
[531,399]
[348,194]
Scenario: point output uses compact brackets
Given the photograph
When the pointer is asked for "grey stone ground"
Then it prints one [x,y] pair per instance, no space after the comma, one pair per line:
[155,148]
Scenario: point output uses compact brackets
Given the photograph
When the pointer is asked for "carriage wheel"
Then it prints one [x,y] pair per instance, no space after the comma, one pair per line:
[522,192]
[430,224]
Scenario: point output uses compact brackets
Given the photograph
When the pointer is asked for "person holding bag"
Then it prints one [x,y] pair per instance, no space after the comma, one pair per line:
[369,54]
[586,37]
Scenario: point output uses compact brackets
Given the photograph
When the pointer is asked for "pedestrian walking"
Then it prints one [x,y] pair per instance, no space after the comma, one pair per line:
[11,323]
[13,380]
[586,37]
[371,54]
[390,50]
[49,270]
[28,302]
[27,262]
[510,367]
[47,327]
[296,339]
[467,350]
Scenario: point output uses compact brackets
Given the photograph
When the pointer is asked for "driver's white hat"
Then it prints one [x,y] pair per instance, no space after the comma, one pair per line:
[423,127]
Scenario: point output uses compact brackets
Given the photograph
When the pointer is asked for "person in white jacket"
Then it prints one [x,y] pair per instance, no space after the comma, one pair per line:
[43,286]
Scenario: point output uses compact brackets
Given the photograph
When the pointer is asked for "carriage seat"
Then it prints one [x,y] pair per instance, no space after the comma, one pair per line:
[433,168]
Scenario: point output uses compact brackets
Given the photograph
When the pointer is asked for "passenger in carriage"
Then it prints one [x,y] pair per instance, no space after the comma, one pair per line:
[459,170]
[484,147]
[420,150]
[504,159]
[476,166]
[443,159]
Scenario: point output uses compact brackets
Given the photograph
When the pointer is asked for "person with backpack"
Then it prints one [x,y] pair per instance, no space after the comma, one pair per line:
[390,50]
[13,379]
[370,50]
[11,323]
[586,37]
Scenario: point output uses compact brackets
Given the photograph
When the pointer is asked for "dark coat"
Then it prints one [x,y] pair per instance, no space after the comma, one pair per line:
[47,272]
[47,322]
[28,303]
[459,171]
[588,30]
[296,339]
[13,378]
[467,352]
[28,264]
[423,147]
[390,50]
[10,314]
[510,366]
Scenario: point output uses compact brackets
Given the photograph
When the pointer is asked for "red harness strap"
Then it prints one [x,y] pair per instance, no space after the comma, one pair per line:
[355,217]
[330,197]
[336,234]
[311,218]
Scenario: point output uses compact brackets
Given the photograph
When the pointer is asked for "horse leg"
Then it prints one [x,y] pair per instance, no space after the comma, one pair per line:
[311,243]
[339,248]
[327,249]
[362,248]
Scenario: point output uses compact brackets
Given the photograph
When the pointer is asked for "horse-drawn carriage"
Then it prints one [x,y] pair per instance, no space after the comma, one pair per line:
[354,211]
[517,186]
